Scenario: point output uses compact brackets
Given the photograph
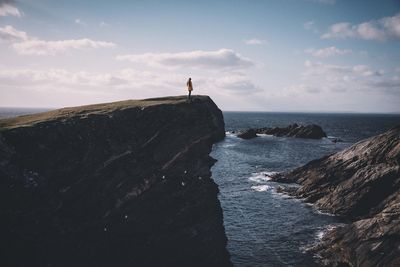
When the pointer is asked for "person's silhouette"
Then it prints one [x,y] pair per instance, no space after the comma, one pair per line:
[190,88]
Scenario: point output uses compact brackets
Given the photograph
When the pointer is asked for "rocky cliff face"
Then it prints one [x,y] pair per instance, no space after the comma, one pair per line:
[119,184]
[362,184]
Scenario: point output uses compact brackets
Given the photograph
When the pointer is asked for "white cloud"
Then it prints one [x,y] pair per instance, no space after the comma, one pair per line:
[310,26]
[343,88]
[60,79]
[327,52]
[237,83]
[318,68]
[60,87]
[10,34]
[365,70]
[320,77]
[223,58]
[379,30]
[40,47]
[124,79]
[26,45]
[8,9]
[255,41]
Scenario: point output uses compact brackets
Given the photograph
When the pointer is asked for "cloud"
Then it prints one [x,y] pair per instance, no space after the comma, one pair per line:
[320,69]
[365,70]
[40,47]
[344,88]
[236,83]
[310,26]
[383,29]
[60,79]
[327,52]
[26,45]
[10,34]
[61,87]
[319,77]
[223,58]
[255,42]
[7,8]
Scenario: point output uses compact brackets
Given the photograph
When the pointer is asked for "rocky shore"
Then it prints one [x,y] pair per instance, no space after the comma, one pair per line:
[362,185]
[311,131]
[117,184]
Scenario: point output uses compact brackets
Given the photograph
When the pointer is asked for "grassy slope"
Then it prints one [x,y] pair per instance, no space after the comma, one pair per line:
[104,108]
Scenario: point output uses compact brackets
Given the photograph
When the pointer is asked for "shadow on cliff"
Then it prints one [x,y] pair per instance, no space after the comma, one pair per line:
[117,184]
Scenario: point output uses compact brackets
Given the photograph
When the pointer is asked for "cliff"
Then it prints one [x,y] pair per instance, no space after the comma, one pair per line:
[117,184]
[361,184]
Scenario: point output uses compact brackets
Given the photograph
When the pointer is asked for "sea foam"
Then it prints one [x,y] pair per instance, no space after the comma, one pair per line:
[261,188]
[261,177]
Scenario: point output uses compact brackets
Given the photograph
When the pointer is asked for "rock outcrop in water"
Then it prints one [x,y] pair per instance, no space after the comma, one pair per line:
[362,184]
[247,134]
[118,184]
[311,131]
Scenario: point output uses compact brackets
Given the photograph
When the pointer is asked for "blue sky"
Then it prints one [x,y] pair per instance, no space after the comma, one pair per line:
[286,55]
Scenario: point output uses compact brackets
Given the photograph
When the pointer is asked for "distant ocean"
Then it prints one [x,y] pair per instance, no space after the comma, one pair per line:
[12,112]
[265,228]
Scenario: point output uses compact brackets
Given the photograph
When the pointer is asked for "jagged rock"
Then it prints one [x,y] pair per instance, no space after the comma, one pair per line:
[247,134]
[102,185]
[311,131]
[336,140]
[362,184]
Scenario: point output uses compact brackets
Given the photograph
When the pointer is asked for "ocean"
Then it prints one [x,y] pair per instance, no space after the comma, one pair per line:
[265,228]
[12,112]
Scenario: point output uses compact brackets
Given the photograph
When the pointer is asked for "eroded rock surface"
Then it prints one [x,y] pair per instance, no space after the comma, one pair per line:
[361,184]
[118,184]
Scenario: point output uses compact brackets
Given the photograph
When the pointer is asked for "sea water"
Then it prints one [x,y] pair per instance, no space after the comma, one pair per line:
[265,228]
[12,112]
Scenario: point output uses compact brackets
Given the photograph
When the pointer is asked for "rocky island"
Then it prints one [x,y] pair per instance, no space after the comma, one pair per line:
[117,184]
[362,185]
[311,131]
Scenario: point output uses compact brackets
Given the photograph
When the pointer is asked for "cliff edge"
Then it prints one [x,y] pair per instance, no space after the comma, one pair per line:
[117,184]
[361,184]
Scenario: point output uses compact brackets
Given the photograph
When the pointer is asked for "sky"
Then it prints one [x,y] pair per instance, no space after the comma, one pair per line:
[248,55]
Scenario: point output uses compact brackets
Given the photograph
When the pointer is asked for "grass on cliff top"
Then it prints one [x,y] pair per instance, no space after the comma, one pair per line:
[63,113]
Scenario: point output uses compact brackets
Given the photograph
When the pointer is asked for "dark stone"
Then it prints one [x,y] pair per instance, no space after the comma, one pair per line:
[361,184]
[311,131]
[247,134]
[118,184]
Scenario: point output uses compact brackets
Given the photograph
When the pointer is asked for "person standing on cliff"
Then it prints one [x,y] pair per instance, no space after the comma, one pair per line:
[190,88]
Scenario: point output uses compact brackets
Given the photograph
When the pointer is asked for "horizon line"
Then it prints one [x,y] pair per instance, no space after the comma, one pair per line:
[244,111]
